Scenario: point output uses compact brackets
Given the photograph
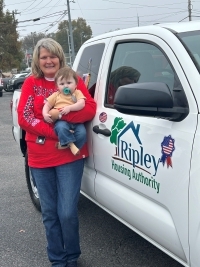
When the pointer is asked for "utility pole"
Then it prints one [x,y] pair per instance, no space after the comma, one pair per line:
[190,10]
[138,23]
[32,34]
[70,33]
[15,13]
[70,55]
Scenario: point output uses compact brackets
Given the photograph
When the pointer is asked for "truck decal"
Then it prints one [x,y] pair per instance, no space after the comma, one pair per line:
[103,117]
[133,154]
[167,150]
[139,177]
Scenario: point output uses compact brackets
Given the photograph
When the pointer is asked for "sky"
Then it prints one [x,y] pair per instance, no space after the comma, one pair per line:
[101,15]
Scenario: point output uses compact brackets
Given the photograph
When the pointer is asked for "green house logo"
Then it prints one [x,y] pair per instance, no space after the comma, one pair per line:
[130,158]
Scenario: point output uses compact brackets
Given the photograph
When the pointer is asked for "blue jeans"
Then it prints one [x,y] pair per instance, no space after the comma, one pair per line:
[62,129]
[59,190]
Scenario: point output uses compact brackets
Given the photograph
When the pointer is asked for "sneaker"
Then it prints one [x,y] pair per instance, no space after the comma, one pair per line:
[72,264]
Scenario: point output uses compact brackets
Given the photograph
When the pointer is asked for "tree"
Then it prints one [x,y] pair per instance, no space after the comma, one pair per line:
[62,35]
[29,41]
[10,48]
[118,125]
[81,33]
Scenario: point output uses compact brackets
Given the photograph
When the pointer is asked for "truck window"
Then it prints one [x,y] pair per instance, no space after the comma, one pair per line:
[88,67]
[191,41]
[139,62]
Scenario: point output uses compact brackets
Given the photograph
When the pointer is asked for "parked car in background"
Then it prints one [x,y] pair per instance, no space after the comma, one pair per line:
[4,78]
[5,82]
[16,81]
[1,87]
[22,74]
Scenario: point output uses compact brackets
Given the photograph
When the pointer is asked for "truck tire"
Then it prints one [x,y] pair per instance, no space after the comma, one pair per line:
[1,93]
[31,186]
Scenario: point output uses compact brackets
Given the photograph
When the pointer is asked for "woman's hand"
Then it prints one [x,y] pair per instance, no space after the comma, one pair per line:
[47,118]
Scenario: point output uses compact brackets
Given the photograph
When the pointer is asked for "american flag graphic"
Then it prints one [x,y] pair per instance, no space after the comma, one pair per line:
[167,150]
[103,117]
[168,146]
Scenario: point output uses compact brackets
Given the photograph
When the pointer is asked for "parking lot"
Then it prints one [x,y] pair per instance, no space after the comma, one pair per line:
[105,242]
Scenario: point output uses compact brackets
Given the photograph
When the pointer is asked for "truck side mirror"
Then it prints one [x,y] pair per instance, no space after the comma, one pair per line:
[152,99]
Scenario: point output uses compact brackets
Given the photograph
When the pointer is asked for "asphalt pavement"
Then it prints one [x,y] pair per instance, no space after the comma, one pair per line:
[105,242]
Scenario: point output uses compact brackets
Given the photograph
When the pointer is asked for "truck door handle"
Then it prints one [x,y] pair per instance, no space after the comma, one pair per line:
[105,132]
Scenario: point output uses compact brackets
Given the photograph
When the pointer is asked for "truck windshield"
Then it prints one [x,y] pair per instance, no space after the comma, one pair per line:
[191,41]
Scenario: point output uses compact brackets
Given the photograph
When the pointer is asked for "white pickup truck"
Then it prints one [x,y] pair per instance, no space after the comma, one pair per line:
[144,142]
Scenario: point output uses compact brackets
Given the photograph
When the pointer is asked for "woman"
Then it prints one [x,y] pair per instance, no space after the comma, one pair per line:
[57,173]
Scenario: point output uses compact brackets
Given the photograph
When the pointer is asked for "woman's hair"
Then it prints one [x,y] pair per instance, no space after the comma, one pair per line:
[53,47]
[123,72]
[65,73]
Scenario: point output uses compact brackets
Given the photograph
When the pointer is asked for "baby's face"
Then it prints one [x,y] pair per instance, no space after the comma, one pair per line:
[66,83]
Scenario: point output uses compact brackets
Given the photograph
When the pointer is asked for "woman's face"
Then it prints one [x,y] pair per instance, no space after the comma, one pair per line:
[48,63]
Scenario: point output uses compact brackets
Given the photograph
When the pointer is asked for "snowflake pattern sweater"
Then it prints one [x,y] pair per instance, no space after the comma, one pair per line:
[34,92]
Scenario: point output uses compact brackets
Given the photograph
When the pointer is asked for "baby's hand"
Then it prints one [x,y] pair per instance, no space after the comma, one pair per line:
[47,118]
[65,110]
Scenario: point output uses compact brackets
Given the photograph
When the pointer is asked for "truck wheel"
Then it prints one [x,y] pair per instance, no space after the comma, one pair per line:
[31,186]
[1,93]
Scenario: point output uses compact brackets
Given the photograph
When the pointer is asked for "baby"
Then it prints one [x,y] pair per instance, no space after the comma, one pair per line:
[68,98]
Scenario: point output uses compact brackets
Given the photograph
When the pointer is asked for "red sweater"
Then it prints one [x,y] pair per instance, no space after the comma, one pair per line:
[34,92]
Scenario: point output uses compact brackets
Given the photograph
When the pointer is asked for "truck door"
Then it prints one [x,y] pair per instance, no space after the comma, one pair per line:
[143,163]
[87,66]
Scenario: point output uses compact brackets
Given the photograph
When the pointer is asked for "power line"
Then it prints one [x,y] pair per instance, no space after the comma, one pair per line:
[54,23]
[30,5]
[183,19]
[43,17]
[79,7]
[53,6]
[19,3]
[27,10]
[121,18]
[138,5]
[124,20]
